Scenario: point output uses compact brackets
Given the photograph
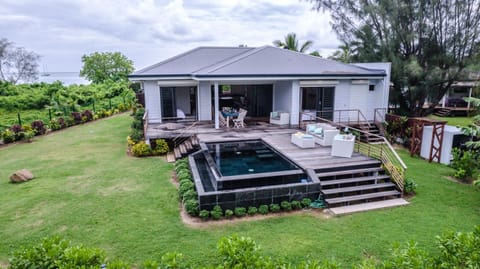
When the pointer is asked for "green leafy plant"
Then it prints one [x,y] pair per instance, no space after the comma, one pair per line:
[240,211]
[296,205]
[263,209]
[216,213]
[184,187]
[229,213]
[57,253]
[8,136]
[286,206]
[410,186]
[204,214]
[190,194]
[274,208]
[239,252]
[160,147]
[191,206]
[306,202]
[464,163]
[252,210]
[141,149]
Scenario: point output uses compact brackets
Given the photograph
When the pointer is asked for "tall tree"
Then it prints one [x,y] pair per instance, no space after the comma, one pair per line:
[291,42]
[16,63]
[342,54]
[428,42]
[100,67]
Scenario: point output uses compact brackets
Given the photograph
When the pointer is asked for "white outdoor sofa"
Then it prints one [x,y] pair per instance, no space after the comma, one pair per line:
[343,145]
[279,118]
[323,133]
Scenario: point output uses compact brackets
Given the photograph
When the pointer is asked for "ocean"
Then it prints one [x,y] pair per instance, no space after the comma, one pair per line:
[67,78]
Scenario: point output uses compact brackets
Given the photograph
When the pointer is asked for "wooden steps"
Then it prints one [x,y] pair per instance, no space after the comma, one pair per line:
[186,147]
[354,180]
[356,184]
[350,209]
[363,197]
[359,188]
[443,112]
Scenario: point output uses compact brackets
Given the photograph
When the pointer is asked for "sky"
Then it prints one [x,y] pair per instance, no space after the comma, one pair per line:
[149,31]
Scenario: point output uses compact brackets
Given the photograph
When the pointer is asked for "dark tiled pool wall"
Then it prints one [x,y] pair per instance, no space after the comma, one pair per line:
[259,196]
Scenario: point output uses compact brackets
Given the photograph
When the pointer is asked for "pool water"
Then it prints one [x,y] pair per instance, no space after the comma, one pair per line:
[247,157]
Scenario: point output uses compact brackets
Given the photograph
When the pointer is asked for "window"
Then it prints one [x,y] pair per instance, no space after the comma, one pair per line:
[371,87]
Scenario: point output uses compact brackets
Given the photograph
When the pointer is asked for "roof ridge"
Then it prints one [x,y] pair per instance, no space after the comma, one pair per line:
[248,49]
[232,60]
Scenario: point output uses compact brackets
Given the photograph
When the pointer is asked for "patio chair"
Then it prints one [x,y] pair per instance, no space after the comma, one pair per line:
[239,121]
[223,121]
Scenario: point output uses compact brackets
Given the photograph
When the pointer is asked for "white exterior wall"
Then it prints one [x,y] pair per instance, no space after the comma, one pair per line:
[282,94]
[204,101]
[152,101]
[342,95]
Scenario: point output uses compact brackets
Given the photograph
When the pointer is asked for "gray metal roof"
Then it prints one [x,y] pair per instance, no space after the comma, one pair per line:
[205,62]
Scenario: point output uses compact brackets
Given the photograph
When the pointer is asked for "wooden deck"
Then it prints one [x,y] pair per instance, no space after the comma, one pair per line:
[318,157]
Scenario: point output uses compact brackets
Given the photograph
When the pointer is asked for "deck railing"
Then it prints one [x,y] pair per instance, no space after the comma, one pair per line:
[181,137]
[382,151]
[350,116]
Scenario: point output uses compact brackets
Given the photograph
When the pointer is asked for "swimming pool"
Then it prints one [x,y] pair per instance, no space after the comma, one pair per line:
[247,157]
[248,173]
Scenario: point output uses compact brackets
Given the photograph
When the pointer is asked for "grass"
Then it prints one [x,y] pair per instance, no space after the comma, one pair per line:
[89,191]
[454,121]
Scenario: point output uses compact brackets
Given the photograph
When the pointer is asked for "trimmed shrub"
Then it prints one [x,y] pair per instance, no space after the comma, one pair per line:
[87,115]
[217,212]
[137,124]
[57,253]
[306,202]
[240,211]
[252,210]
[190,194]
[141,149]
[160,147]
[296,205]
[77,117]
[18,131]
[191,206]
[38,127]
[204,214]
[184,187]
[286,206]
[274,208]
[54,125]
[183,175]
[62,122]
[8,136]
[136,135]
[263,209]
[229,213]
[27,136]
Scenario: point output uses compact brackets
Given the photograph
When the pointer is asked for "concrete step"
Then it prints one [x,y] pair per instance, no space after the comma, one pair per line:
[349,209]
[171,157]
[353,180]
[358,188]
[183,149]
[354,165]
[375,195]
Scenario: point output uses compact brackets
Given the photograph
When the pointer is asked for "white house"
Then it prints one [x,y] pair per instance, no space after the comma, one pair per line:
[199,82]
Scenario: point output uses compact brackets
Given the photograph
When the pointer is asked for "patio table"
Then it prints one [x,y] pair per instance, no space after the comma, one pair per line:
[228,116]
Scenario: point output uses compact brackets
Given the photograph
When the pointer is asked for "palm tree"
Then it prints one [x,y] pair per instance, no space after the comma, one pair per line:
[291,43]
[343,54]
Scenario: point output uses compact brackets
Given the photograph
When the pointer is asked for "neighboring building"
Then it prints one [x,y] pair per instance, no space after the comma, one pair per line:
[198,83]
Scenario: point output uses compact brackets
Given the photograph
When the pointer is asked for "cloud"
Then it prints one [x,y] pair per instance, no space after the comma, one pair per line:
[148,31]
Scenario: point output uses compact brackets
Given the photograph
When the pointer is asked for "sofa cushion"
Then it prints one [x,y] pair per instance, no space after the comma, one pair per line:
[318,131]
[311,128]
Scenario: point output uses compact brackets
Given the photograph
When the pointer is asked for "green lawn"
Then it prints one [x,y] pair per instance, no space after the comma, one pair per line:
[454,121]
[89,191]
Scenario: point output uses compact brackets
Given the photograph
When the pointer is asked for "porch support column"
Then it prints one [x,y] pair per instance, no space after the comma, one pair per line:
[217,108]
[295,104]
[469,96]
